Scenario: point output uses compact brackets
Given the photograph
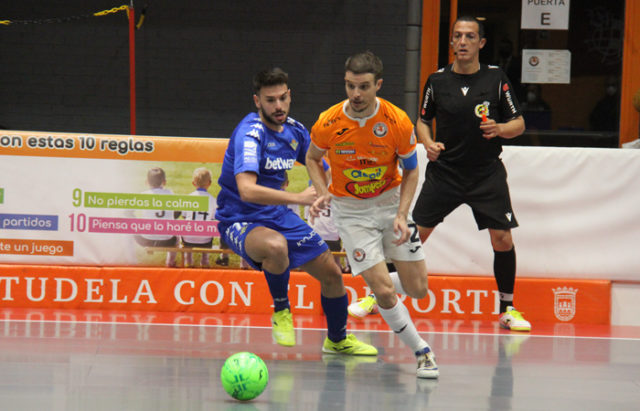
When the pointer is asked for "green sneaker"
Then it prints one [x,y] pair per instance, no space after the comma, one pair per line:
[513,320]
[348,346]
[283,331]
[363,307]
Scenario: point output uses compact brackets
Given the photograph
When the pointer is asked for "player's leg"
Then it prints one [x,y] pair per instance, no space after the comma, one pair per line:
[491,205]
[334,301]
[266,249]
[269,249]
[367,235]
[504,270]
[223,258]
[396,315]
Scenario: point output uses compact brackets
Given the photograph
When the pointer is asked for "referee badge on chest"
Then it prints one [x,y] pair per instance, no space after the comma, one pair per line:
[482,109]
[380,130]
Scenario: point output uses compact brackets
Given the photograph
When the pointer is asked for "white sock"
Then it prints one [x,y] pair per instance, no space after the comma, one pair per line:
[400,322]
[397,284]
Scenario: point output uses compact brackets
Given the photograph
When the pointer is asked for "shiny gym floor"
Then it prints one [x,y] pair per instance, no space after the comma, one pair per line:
[92,360]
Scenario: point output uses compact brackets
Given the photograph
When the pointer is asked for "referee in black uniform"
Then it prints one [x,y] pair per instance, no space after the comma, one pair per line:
[475,108]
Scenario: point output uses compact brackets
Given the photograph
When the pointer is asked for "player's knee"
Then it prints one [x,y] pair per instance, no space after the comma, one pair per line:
[332,279]
[277,248]
[386,296]
[419,290]
[502,243]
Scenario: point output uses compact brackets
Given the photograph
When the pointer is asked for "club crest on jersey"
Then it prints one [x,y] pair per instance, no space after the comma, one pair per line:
[359,255]
[482,109]
[293,143]
[380,130]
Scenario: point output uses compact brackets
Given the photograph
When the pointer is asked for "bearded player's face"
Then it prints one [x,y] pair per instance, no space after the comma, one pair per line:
[273,103]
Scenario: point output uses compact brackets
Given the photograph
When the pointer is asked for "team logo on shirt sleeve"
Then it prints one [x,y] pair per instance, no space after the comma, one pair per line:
[380,130]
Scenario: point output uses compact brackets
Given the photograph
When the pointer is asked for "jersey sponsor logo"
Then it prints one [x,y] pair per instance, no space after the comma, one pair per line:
[308,237]
[389,118]
[367,158]
[510,101]
[331,121]
[250,151]
[367,189]
[464,90]
[481,109]
[359,255]
[279,163]
[427,98]
[344,152]
[380,130]
[373,173]
[345,143]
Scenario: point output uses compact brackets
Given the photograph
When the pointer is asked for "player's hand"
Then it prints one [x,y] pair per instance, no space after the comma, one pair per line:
[308,196]
[490,129]
[321,203]
[401,230]
[433,150]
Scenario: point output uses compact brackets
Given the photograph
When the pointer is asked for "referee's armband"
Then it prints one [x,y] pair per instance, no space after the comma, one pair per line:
[410,162]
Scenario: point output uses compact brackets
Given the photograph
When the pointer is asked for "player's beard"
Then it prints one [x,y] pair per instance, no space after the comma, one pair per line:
[271,119]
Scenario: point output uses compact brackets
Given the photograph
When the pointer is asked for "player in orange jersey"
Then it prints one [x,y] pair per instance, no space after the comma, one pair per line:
[365,139]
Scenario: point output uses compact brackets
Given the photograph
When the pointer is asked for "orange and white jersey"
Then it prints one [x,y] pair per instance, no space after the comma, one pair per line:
[363,153]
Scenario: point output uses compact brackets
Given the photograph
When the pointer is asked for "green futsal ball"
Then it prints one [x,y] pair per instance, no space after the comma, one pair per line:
[244,376]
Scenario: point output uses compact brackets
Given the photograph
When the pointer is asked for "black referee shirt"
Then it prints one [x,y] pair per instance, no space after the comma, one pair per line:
[457,101]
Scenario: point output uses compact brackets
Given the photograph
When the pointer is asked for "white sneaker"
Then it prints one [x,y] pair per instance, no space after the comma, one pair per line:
[513,320]
[363,307]
[427,367]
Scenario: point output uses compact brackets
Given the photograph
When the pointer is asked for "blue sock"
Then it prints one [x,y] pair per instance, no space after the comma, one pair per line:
[335,309]
[279,288]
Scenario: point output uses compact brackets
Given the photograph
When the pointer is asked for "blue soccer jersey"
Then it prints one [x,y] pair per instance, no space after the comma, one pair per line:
[255,148]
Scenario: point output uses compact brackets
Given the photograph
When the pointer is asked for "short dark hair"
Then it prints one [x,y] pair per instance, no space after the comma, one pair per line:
[473,20]
[269,77]
[364,62]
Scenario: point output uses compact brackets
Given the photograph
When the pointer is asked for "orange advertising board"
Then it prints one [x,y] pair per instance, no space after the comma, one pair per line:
[246,291]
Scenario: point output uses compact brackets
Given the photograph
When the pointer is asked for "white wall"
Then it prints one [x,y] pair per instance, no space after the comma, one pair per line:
[579,215]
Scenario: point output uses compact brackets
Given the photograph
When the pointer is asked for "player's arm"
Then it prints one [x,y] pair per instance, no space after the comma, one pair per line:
[408,186]
[252,192]
[319,179]
[315,169]
[424,122]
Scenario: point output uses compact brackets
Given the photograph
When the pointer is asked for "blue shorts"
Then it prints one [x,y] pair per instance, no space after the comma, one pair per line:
[303,242]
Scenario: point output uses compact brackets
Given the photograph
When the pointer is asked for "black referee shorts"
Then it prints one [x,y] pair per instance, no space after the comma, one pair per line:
[487,193]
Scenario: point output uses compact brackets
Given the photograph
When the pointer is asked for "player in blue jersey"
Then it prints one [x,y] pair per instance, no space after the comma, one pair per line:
[256,223]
